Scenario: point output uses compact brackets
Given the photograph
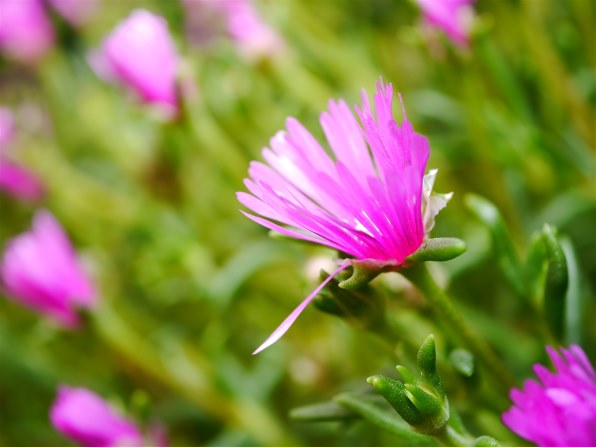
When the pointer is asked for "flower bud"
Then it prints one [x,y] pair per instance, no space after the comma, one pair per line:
[141,55]
[25,31]
[84,417]
[40,270]
[422,403]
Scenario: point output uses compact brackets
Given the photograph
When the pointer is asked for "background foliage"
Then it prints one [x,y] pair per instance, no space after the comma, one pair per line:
[189,287]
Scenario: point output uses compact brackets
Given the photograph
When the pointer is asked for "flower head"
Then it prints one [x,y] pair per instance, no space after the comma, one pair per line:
[560,410]
[40,270]
[76,12]
[452,16]
[6,129]
[252,35]
[140,54]
[25,30]
[84,417]
[370,201]
[14,179]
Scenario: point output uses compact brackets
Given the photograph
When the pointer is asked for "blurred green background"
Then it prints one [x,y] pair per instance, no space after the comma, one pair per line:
[189,287]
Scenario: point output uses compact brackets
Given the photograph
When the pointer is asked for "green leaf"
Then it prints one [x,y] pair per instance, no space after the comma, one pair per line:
[486,441]
[395,393]
[535,268]
[507,257]
[463,362]
[576,301]
[384,419]
[427,362]
[323,412]
[557,280]
[438,249]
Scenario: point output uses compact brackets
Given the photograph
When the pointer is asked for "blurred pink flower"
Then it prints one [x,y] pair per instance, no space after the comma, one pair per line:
[15,180]
[84,417]
[25,30]
[454,17]
[75,12]
[40,270]
[140,54]
[18,182]
[6,128]
[252,35]
[560,411]
[372,202]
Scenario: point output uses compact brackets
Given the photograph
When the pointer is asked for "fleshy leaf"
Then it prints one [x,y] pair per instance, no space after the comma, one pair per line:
[325,411]
[438,249]
[507,257]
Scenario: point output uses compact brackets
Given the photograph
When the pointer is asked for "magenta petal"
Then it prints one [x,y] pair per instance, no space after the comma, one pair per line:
[19,183]
[40,270]
[141,55]
[452,16]
[287,323]
[25,30]
[560,411]
[87,419]
[366,203]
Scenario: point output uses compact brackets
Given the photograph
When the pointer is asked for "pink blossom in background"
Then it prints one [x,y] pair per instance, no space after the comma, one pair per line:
[19,182]
[14,179]
[371,201]
[40,270]
[85,418]
[454,17]
[254,37]
[560,410]
[140,54]
[75,12]
[6,129]
[25,30]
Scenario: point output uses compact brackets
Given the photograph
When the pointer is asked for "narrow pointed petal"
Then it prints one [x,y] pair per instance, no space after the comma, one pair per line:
[287,323]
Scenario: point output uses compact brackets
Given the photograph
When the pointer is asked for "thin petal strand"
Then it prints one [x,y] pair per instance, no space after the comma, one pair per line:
[287,323]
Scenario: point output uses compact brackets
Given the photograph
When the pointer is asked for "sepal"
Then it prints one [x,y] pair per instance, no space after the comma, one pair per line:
[437,249]
[486,441]
[362,308]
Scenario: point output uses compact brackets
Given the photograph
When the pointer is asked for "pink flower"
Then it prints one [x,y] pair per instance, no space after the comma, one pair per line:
[371,201]
[18,182]
[40,270]
[14,180]
[452,16]
[6,128]
[25,30]
[76,12]
[140,54]
[252,35]
[560,411]
[84,417]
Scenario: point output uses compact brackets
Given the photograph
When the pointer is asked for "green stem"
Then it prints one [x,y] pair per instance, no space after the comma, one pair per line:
[441,303]
[173,372]
[449,437]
